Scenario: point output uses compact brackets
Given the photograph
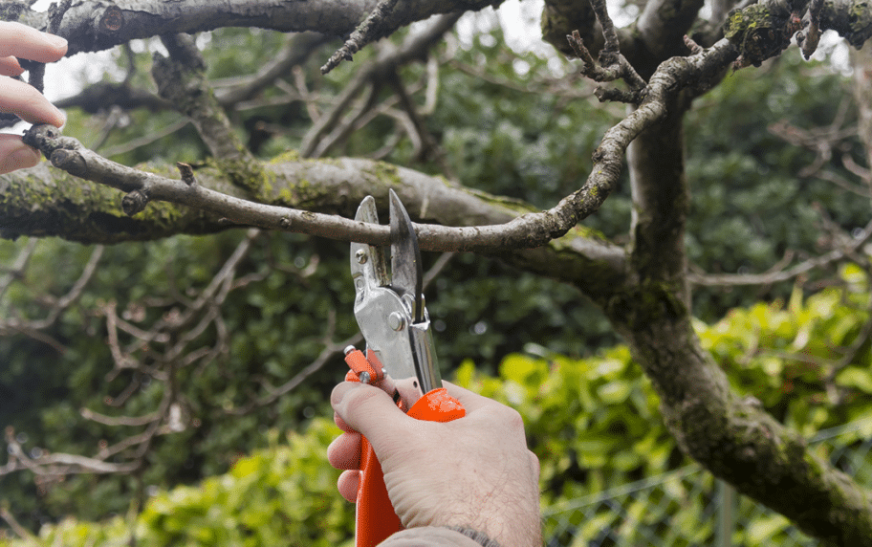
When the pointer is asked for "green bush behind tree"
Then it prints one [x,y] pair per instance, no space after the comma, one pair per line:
[593,423]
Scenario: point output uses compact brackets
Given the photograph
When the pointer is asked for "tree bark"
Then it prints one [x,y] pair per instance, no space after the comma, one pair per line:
[731,437]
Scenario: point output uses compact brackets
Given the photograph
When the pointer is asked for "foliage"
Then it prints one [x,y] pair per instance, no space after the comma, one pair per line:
[751,203]
[283,495]
[592,422]
[808,362]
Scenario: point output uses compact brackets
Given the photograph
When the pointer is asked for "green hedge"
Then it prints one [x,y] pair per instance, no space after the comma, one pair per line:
[593,423]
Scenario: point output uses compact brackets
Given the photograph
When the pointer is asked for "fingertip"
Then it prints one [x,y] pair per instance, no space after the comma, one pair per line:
[58,42]
[60,119]
[339,392]
[363,407]
[344,451]
[9,67]
[348,484]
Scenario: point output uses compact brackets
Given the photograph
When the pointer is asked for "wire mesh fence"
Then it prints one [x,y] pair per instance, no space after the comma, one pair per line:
[689,507]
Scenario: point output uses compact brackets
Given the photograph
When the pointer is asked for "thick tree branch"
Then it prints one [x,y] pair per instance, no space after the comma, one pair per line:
[94,25]
[99,96]
[181,80]
[663,24]
[530,230]
[141,187]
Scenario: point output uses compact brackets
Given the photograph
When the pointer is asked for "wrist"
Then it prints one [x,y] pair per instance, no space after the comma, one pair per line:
[524,530]
[475,535]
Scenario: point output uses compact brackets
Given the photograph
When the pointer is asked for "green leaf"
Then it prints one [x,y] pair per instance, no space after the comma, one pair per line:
[856,377]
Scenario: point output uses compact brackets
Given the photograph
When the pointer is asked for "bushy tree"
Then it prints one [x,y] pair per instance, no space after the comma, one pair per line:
[225,325]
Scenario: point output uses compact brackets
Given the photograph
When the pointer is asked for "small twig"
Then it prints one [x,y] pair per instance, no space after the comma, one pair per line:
[346,128]
[614,65]
[22,532]
[89,414]
[158,134]
[777,275]
[428,147]
[58,464]
[692,45]
[809,38]
[16,271]
[371,29]
[58,306]
[303,91]
[187,173]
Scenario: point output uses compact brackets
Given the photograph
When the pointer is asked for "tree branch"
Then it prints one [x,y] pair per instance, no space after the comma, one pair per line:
[181,80]
[94,25]
[376,25]
[526,231]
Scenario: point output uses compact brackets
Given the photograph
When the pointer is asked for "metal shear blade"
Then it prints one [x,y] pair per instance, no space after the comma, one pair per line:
[391,312]
[406,269]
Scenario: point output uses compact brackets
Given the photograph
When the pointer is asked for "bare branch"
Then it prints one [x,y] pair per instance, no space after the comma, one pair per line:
[119,420]
[145,140]
[22,532]
[614,65]
[58,306]
[57,464]
[783,274]
[810,36]
[181,79]
[526,231]
[375,26]
[413,48]
[17,269]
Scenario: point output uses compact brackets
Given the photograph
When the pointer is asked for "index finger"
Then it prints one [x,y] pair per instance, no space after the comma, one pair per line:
[29,104]
[28,43]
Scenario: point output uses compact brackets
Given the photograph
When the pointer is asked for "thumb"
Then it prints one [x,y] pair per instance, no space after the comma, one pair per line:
[366,409]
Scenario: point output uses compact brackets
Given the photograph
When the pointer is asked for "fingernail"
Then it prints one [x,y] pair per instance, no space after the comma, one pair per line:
[21,158]
[56,41]
[61,116]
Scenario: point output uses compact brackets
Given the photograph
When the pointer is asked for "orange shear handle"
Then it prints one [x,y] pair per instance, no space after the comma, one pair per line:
[376,518]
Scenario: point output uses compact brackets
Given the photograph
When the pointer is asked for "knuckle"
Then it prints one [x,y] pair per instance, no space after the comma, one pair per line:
[513,419]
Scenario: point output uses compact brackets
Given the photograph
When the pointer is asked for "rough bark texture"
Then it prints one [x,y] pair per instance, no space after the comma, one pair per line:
[730,436]
[96,25]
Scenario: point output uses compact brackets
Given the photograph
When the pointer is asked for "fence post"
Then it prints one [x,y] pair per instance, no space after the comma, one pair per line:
[726,514]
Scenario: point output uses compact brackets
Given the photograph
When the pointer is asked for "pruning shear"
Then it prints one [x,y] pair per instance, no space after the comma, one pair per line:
[400,359]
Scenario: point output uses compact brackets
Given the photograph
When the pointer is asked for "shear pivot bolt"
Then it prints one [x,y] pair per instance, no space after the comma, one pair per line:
[396,321]
[361,256]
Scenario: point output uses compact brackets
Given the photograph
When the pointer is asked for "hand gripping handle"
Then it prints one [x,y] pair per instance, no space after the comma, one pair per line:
[376,519]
